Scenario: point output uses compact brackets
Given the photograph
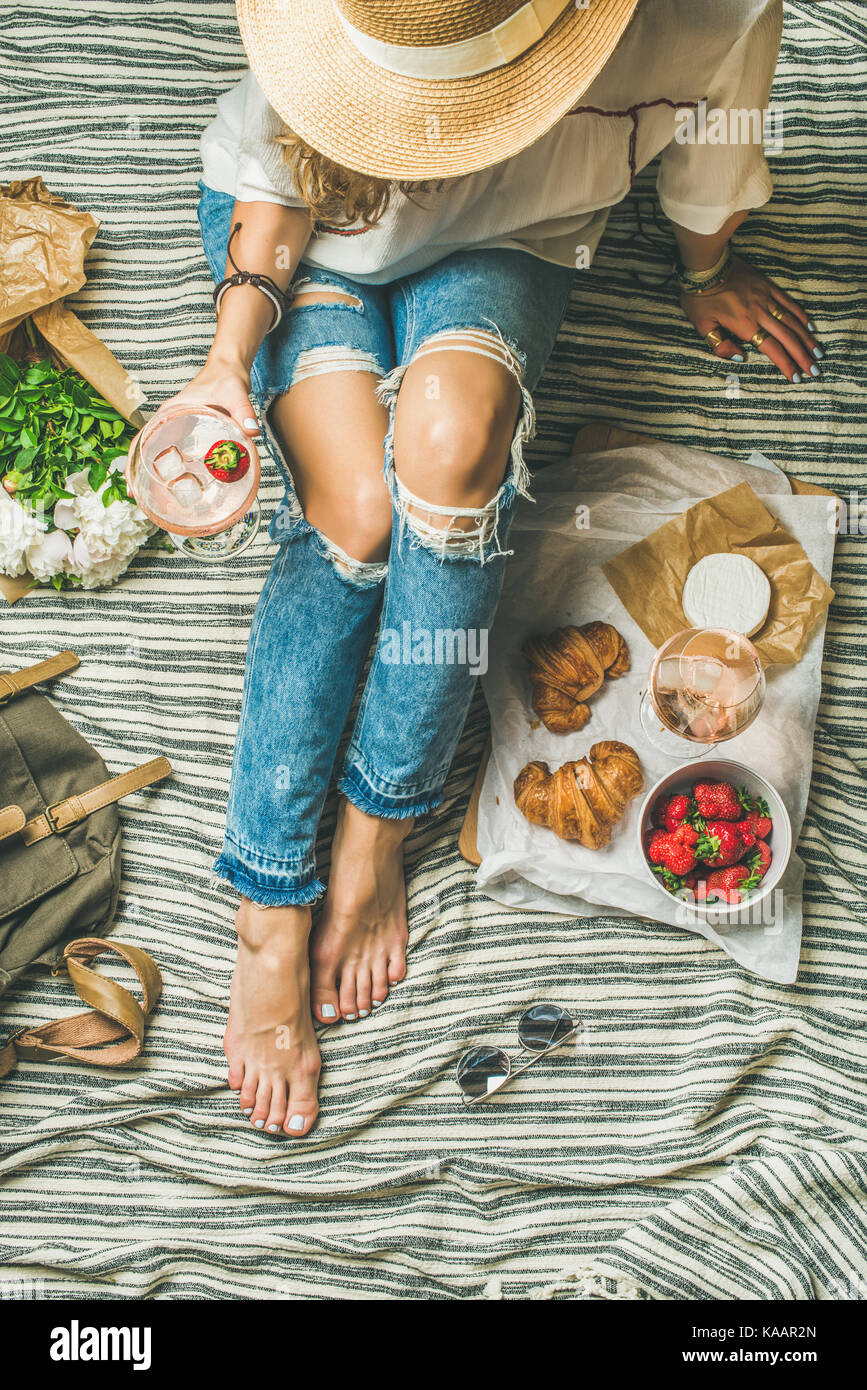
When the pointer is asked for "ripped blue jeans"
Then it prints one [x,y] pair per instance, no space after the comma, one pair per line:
[428,607]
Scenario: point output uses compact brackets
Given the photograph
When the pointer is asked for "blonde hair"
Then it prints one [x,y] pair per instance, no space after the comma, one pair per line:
[336,195]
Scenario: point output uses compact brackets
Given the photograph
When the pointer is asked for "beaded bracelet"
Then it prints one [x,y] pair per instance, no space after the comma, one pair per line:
[703,281]
[264,283]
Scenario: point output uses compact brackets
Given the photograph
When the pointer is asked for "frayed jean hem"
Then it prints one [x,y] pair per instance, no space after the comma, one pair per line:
[385,807]
[293,894]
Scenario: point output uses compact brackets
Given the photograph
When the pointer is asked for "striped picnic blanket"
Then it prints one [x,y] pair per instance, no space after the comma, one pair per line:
[707,1140]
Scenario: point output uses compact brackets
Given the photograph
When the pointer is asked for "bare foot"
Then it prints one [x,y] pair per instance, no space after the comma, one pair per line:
[358,947]
[270,1044]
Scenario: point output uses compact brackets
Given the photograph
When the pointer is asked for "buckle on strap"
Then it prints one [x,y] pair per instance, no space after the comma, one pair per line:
[70,809]
[8,688]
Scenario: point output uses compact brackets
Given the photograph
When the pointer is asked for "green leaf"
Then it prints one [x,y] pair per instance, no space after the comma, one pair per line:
[672,882]
[96,475]
[9,370]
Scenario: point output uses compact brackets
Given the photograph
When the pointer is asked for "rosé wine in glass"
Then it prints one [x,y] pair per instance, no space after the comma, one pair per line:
[195,474]
[705,685]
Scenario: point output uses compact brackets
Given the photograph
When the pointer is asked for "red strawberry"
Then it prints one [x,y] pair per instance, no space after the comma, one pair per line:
[757,812]
[227,461]
[717,801]
[726,883]
[747,832]
[721,844]
[655,849]
[762,825]
[760,862]
[654,836]
[676,811]
[674,850]
[660,811]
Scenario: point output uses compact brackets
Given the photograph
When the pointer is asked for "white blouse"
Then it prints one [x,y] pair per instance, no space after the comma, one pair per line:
[704,68]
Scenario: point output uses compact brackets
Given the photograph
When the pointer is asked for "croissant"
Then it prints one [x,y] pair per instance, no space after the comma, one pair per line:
[581,800]
[569,666]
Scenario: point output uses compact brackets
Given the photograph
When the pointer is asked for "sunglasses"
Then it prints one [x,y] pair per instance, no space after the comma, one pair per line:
[485,1069]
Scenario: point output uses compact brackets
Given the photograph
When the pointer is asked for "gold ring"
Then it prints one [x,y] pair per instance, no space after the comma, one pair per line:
[713,338]
[758,337]
[776,313]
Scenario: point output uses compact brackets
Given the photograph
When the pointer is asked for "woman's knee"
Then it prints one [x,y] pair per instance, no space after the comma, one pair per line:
[454,423]
[358,521]
[331,430]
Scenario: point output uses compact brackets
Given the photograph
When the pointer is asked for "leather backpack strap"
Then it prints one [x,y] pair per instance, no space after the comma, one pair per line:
[12,818]
[13,682]
[115,1014]
[59,817]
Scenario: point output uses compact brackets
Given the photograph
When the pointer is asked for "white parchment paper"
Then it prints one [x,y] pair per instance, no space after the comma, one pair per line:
[587,510]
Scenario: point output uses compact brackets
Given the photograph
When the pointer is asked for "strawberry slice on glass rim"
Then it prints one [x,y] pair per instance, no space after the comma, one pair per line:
[227,461]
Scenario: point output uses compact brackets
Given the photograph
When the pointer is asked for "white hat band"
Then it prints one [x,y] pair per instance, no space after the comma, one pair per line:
[468,57]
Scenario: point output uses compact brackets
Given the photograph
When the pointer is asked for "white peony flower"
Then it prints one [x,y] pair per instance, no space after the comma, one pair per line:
[65,515]
[77,483]
[49,554]
[18,530]
[107,571]
[108,537]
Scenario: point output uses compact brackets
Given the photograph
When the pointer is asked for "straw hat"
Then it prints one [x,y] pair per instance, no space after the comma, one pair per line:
[414,89]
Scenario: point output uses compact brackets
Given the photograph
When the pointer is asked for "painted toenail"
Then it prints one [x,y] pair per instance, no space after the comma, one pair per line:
[260,1124]
[329,1011]
[363,1013]
[814,371]
[251,423]
[236,1093]
[297,1122]
[249,1111]
[738,357]
[811,326]
[817,352]
[378,1003]
[272,1129]
[796,378]
[350,1018]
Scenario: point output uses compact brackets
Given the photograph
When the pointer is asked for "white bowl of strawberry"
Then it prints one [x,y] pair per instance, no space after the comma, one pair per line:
[715,834]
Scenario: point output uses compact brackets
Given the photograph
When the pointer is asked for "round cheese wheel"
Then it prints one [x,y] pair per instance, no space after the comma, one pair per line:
[726,591]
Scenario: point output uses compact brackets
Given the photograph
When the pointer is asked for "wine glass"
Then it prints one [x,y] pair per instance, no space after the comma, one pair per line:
[705,685]
[195,474]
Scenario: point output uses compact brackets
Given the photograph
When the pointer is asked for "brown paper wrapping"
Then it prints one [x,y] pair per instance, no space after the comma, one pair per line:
[649,576]
[43,242]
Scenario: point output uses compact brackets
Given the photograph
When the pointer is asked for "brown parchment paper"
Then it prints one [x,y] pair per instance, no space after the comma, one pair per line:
[43,243]
[649,576]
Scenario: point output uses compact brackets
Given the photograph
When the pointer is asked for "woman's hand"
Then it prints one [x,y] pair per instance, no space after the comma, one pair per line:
[223,383]
[747,303]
